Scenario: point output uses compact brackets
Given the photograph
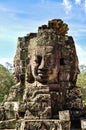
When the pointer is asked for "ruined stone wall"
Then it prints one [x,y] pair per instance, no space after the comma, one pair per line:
[44,98]
[68,70]
[67,59]
[21,57]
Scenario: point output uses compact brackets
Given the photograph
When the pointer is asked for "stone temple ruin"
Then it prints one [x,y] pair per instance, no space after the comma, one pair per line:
[45,96]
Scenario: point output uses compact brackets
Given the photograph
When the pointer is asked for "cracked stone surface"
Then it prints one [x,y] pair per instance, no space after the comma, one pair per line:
[46,69]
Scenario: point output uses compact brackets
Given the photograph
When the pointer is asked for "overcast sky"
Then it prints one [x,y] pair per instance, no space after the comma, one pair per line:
[19,17]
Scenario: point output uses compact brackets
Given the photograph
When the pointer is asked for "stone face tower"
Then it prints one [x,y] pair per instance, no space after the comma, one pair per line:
[46,96]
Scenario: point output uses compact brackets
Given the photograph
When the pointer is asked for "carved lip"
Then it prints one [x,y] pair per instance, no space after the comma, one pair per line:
[42,73]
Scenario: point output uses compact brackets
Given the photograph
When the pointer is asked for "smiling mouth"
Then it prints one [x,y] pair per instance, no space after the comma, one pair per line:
[42,74]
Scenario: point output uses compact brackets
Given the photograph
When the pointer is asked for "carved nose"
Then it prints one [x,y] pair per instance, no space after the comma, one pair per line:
[42,65]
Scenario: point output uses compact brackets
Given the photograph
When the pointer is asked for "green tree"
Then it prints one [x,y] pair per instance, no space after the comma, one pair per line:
[9,67]
[6,81]
[81,81]
[82,68]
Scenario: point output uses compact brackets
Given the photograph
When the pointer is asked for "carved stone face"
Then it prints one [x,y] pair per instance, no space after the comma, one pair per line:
[44,64]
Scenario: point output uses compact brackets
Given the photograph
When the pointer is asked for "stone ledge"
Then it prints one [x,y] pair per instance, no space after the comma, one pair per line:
[47,124]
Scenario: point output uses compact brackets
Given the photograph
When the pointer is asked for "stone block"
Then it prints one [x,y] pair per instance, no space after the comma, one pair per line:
[83,124]
[66,125]
[10,114]
[64,115]
[12,106]
[11,110]
[14,94]
[8,124]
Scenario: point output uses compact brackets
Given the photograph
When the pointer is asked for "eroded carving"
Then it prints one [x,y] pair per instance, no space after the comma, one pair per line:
[46,69]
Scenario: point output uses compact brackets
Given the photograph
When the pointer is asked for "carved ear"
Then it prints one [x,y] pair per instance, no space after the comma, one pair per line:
[29,76]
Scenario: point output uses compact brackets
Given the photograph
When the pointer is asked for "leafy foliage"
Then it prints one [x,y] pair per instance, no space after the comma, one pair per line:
[6,81]
[81,81]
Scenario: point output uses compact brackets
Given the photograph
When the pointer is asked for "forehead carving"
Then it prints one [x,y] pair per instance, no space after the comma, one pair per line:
[46,41]
[43,50]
